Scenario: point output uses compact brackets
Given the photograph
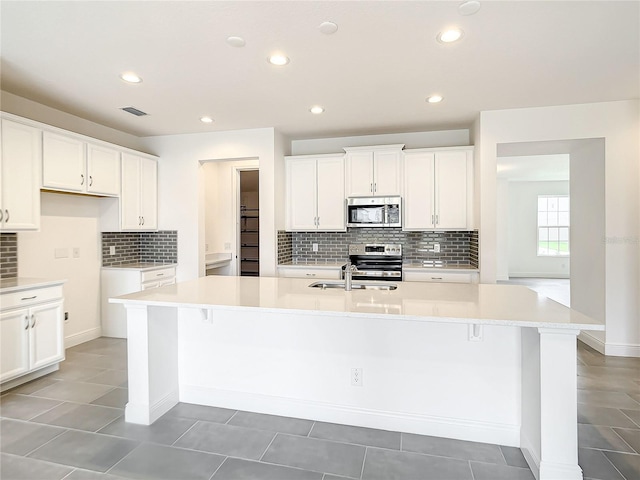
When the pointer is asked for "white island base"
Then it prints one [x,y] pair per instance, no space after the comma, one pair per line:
[485,363]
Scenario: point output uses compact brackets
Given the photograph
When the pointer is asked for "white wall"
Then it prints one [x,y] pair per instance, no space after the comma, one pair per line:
[618,124]
[182,190]
[443,138]
[41,113]
[523,260]
[68,222]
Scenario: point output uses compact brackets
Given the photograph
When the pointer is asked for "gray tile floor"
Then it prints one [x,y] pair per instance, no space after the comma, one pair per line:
[68,425]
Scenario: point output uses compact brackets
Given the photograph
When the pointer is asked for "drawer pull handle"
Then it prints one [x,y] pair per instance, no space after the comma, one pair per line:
[310,274]
[436,278]
[29,298]
[159,274]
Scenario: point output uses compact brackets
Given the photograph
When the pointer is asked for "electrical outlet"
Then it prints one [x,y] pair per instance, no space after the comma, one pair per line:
[356,377]
[436,248]
[112,250]
[314,247]
[76,252]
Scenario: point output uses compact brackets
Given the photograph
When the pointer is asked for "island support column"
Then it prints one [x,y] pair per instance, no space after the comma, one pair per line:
[549,436]
[152,347]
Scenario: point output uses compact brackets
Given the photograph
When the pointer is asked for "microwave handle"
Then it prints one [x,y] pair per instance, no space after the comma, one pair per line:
[385,219]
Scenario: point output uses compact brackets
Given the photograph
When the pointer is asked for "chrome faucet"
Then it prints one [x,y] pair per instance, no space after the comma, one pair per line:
[348,276]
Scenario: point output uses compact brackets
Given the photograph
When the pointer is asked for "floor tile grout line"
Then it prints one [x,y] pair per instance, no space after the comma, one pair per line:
[268,446]
[632,420]
[308,435]
[119,461]
[70,473]
[473,477]
[231,417]
[218,468]
[616,468]
[185,432]
[364,461]
[45,443]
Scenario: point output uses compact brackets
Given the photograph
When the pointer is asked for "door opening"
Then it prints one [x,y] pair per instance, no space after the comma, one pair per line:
[249,216]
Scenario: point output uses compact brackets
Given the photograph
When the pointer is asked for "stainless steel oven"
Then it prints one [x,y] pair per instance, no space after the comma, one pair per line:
[376,261]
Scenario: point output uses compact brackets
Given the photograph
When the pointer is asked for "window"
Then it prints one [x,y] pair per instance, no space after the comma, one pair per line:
[553,225]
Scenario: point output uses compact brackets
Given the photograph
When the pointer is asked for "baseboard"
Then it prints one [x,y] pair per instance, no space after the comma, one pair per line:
[143,414]
[485,432]
[621,350]
[78,338]
[538,275]
[592,341]
[28,377]
[530,456]
[610,349]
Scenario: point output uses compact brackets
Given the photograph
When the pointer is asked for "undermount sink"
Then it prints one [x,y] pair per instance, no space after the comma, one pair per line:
[355,286]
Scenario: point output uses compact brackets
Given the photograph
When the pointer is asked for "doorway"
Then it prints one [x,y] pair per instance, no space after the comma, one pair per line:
[249,223]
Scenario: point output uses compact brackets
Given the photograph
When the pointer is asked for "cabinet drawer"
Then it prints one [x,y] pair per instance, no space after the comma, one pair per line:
[159,274]
[26,298]
[439,277]
[319,273]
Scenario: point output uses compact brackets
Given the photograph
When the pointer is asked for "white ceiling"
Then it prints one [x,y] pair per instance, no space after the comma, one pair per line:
[372,76]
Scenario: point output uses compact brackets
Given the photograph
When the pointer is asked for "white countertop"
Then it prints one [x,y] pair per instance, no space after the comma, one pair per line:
[215,260]
[508,305]
[8,285]
[141,266]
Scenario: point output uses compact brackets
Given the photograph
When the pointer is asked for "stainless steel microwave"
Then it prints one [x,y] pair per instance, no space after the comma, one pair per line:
[374,212]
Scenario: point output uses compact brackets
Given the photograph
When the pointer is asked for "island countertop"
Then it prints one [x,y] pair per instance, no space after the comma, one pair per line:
[484,304]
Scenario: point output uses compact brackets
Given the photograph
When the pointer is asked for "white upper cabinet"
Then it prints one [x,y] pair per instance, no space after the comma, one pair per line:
[103,170]
[20,165]
[139,197]
[315,193]
[438,189]
[72,165]
[373,171]
[63,163]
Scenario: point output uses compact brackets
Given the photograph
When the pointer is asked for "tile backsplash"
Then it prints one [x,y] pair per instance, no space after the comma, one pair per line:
[131,247]
[457,248]
[8,255]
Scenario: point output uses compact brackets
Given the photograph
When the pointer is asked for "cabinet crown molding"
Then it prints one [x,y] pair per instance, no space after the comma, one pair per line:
[397,146]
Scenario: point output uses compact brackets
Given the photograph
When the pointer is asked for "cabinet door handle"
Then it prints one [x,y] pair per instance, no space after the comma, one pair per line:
[6,215]
[90,180]
[33,320]
[1,215]
[437,222]
[371,187]
[142,220]
[433,220]
[82,179]
[26,327]
[375,187]
[28,298]
[139,220]
[318,221]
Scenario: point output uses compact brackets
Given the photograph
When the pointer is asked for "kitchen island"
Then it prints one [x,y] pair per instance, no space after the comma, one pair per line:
[487,363]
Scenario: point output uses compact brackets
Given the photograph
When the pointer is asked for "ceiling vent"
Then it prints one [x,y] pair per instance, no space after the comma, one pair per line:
[134,111]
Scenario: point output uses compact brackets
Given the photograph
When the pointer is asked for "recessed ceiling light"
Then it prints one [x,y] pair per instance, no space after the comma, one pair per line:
[435,99]
[130,77]
[278,59]
[450,35]
[328,28]
[469,7]
[206,119]
[316,109]
[236,41]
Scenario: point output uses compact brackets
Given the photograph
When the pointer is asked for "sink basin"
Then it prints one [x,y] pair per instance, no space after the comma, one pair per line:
[355,285]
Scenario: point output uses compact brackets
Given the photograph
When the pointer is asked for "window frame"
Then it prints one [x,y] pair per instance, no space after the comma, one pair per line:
[559,226]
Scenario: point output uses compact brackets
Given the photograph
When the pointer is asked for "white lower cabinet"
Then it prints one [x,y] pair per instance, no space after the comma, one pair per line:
[435,276]
[312,273]
[121,281]
[31,333]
